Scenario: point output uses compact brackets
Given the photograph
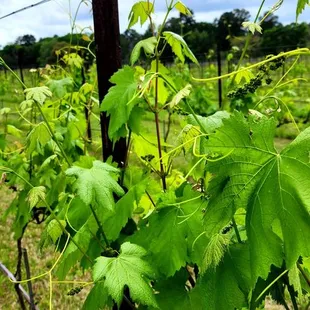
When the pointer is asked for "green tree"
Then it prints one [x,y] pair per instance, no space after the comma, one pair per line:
[230,25]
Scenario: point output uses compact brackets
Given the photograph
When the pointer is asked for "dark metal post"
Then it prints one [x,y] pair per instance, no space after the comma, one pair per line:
[108,52]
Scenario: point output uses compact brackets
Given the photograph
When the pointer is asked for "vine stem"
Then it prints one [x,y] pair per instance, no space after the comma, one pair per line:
[307,279]
[99,226]
[156,110]
[248,39]
[236,230]
[300,51]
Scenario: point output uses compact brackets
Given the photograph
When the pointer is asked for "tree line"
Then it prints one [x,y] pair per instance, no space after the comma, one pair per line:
[225,34]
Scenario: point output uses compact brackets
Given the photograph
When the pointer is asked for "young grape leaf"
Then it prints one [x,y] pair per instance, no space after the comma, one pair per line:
[183,93]
[73,60]
[301,5]
[179,46]
[140,10]
[128,269]
[147,44]
[96,185]
[37,138]
[180,6]
[38,94]
[252,27]
[115,103]
[54,230]
[60,87]
[35,195]
[273,186]
[247,75]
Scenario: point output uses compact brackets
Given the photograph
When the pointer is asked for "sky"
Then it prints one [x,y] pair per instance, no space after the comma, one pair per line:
[53,17]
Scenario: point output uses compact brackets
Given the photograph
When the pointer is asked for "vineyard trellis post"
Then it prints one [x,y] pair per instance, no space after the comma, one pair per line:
[108,58]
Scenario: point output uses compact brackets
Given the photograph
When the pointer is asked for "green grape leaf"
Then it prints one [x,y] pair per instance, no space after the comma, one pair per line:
[97,299]
[73,60]
[47,162]
[35,195]
[12,130]
[20,207]
[148,45]
[182,222]
[119,101]
[163,92]
[179,46]
[173,295]
[38,94]
[128,269]
[48,177]
[182,8]
[59,88]
[215,251]
[301,5]
[123,210]
[294,279]
[143,148]
[96,185]
[5,111]
[227,286]
[183,93]
[37,138]
[272,186]
[54,230]
[74,254]
[210,123]
[140,10]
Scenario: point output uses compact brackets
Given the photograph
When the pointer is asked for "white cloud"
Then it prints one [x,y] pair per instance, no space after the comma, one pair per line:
[53,17]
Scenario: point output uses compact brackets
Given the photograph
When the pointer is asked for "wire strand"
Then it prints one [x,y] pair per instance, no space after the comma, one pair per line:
[25,8]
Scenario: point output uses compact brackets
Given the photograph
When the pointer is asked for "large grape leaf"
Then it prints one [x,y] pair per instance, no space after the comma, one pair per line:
[96,185]
[115,103]
[273,187]
[171,231]
[74,254]
[97,298]
[123,210]
[223,288]
[226,287]
[173,294]
[301,5]
[128,269]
